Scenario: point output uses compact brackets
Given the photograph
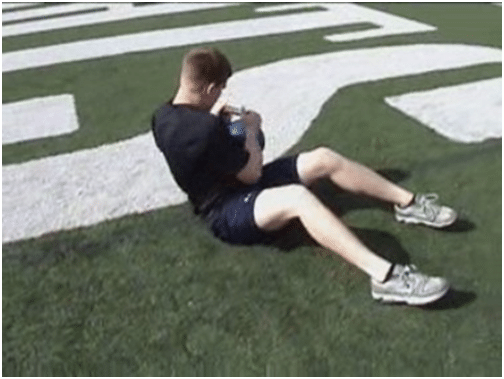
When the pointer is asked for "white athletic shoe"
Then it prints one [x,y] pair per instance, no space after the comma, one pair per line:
[425,211]
[407,285]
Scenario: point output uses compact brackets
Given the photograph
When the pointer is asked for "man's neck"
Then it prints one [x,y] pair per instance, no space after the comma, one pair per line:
[190,99]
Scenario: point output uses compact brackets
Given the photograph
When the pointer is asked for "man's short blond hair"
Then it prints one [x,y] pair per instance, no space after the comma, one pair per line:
[206,65]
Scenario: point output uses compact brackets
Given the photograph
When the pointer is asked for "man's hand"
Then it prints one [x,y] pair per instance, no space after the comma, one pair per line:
[252,120]
[219,108]
[232,110]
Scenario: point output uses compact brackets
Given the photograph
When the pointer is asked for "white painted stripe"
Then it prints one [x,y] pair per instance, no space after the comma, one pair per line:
[38,118]
[335,15]
[50,11]
[116,12]
[90,186]
[17,5]
[466,113]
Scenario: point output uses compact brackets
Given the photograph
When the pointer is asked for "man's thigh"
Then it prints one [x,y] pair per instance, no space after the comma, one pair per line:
[275,207]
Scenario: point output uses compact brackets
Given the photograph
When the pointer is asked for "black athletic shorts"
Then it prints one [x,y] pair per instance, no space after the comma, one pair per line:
[232,217]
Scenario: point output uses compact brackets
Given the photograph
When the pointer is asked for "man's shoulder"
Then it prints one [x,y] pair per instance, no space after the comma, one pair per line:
[180,114]
[177,126]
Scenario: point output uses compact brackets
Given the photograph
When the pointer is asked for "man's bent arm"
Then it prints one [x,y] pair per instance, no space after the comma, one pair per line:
[252,171]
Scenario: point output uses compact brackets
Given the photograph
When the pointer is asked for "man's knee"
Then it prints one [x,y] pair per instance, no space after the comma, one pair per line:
[318,163]
[297,195]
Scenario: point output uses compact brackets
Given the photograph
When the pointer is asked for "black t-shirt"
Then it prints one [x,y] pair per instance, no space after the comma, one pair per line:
[203,157]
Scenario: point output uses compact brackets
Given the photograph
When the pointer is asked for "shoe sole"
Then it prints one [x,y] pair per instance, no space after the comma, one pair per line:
[393,298]
[414,220]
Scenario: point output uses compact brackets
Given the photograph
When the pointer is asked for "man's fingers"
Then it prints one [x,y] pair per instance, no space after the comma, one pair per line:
[231,109]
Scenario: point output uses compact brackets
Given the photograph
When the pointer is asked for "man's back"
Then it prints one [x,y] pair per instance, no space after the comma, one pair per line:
[201,154]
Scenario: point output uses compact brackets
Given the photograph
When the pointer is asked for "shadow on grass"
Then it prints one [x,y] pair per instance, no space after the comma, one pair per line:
[341,202]
[384,244]
[452,300]
[460,226]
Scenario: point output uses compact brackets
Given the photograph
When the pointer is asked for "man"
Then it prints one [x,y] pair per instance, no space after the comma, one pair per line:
[219,164]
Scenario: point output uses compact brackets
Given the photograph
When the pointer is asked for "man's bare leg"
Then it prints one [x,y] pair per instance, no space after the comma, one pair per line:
[275,207]
[349,175]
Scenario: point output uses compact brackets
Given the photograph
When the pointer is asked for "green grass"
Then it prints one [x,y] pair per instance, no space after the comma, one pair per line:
[156,294]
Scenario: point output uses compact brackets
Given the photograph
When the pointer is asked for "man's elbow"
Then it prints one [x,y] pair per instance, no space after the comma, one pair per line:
[250,176]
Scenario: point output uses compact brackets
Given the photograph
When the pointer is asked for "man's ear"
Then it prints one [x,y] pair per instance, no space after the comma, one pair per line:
[210,88]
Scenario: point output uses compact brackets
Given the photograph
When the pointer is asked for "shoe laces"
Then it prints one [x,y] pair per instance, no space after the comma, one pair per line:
[429,206]
[406,277]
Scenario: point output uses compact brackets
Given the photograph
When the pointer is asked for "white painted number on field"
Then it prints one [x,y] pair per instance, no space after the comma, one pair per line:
[464,113]
[17,5]
[279,89]
[81,191]
[101,13]
[331,15]
[27,14]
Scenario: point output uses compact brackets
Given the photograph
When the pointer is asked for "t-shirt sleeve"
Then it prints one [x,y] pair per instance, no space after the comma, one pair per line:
[227,154]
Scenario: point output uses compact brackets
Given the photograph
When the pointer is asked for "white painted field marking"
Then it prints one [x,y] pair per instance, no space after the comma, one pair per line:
[38,118]
[84,188]
[17,5]
[49,11]
[334,15]
[90,186]
[115,12]
[464,113]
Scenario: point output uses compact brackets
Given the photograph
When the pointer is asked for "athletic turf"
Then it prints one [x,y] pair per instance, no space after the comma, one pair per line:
[155,294]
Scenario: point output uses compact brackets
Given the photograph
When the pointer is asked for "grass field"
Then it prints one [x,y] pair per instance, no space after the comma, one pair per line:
[155,294]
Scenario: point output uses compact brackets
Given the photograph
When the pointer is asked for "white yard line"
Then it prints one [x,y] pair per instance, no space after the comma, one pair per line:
[334,15]
[38,118]
[115,12]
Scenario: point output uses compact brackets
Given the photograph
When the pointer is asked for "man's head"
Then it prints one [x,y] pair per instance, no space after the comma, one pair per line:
[204,74]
